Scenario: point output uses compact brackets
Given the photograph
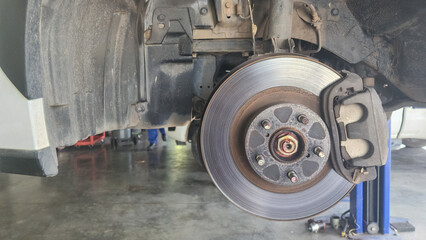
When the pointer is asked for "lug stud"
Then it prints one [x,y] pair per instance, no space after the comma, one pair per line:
[260,159]
[303,119]
[266,124]
[292,176]
[319,152]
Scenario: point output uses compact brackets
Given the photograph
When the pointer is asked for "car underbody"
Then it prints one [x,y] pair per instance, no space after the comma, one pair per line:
[287,102]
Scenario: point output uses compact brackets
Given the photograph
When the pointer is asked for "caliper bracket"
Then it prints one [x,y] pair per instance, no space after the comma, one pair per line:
[370,129]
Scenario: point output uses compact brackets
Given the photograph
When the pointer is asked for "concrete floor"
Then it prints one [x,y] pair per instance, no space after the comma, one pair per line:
[163,194]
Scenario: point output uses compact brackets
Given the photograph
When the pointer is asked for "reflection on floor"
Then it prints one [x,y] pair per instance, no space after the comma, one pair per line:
[163,194]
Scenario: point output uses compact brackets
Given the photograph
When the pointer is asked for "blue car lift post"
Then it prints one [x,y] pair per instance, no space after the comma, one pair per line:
[370,204]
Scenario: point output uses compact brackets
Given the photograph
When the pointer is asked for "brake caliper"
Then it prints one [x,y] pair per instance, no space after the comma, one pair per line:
[358,128]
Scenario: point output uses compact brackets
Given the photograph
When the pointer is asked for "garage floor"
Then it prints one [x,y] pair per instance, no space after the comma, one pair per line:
[163,194]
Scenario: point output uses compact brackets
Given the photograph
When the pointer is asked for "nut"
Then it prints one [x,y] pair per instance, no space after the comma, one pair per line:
[228,5]
[287,145]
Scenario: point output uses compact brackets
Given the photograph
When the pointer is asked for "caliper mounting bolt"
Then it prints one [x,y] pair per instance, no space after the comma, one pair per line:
[260,159]
[319,152]
[303,119]
[292,176]
[266,124]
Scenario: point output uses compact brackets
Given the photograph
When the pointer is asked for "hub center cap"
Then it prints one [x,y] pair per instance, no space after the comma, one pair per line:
[287,144]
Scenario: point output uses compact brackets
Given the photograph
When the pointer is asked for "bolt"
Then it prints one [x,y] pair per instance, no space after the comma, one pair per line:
[204,11]
[266,124]
[319,152]
[303,119]
[228,5]
[292,176]
[161,25]
[161,17]
[334,11]
[260,160]
[140,109]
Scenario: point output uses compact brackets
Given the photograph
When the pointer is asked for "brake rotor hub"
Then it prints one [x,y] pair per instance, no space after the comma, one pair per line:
[287,145]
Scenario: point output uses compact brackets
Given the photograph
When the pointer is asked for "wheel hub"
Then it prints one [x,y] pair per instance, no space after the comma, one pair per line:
[287,145]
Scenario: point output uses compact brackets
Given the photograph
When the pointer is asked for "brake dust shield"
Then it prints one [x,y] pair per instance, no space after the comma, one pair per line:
[282,173]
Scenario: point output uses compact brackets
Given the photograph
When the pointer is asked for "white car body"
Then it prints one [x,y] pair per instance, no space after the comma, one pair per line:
[409,123]
[179,134]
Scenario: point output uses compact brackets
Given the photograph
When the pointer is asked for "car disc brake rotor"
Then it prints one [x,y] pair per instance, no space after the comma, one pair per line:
[278,170]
